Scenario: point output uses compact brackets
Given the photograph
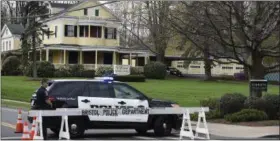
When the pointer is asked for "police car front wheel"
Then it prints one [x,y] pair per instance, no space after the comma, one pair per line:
[162,126]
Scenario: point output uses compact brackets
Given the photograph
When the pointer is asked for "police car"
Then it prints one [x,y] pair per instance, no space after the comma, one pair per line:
[106,93]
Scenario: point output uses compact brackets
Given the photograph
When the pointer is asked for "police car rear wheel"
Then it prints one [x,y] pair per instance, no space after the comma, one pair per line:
[76,128]
[162,126]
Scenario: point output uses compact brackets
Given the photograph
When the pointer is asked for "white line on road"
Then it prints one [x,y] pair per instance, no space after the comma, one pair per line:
[12,110]
[6,138]
[145,138]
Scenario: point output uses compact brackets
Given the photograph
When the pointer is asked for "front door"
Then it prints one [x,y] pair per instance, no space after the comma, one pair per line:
[128,97]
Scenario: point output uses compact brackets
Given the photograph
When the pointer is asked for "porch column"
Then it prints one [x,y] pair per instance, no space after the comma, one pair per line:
[47,55]
[81,57]
[146,58]
[64,56]
[130,60]
[40,55]
[96,53]
[114,58]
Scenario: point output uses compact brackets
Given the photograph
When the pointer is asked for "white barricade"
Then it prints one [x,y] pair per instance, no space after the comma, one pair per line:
[65,112]
[202,130]
[38,134]
[186,132]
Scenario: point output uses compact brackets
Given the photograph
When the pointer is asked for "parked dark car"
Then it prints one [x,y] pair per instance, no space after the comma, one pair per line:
[174,71]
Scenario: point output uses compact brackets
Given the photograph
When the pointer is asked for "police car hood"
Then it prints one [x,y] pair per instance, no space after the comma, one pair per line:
[160,103]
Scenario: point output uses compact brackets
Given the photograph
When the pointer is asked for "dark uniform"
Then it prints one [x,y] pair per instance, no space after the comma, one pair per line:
[41,97]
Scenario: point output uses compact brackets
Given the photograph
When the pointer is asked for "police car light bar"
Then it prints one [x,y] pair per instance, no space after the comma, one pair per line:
[106,79]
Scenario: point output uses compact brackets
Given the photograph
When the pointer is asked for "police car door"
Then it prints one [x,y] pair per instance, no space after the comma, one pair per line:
[100,95]
[126,96]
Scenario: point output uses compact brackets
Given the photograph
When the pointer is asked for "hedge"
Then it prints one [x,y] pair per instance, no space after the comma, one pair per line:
[130,78]
[247,115]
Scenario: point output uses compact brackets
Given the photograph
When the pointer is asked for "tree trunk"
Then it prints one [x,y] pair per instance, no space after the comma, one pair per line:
[34,67]
[246,73]
[207,64]
[257,71]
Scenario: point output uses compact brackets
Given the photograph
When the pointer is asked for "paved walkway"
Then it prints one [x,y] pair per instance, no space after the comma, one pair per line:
[238,131]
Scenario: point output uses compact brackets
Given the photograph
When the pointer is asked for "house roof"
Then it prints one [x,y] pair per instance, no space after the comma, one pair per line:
[60,5]
[16,29]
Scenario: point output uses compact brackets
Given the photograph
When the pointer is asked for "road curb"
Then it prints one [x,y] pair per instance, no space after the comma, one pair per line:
[15,101]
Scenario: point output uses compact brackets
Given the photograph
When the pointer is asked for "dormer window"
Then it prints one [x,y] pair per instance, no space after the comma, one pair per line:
[85,12]
[96,12]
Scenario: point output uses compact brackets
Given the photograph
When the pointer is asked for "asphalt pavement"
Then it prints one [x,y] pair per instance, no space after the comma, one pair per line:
[9,118]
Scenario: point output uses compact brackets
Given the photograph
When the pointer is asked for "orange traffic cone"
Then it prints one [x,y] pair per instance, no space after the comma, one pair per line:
[25,135]
[32,132]
[19,126]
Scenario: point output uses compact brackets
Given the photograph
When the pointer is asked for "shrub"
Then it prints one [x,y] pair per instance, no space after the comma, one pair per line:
[11,66]
[130,78]
[88,73]
[272,105]
[255,103]
[155,70]
[247,115]
[212,114]
[45,69]
[62,72]
[76,70]
[231,103]
[136,71]
[212,103]
[104,70]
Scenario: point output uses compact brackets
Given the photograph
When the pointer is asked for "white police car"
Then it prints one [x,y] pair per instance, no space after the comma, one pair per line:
[106,93]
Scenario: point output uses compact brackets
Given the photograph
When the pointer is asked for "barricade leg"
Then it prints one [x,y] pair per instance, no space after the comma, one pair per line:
[64,134]
[186,132]
[39,128]
[202,130]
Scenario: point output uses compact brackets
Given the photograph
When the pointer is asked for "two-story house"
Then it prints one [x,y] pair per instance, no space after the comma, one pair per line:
[86,33]
[11,34]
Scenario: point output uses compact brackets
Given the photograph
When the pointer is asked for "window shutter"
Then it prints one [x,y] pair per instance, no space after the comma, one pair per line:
[65,30]
[75,31]
[55,35]
[106,33]
[115,33]
[48,33]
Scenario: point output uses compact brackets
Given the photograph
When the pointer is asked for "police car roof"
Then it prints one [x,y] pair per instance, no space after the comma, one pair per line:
[85,80]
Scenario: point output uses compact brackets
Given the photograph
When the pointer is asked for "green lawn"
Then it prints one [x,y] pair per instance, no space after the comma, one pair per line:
[187,92]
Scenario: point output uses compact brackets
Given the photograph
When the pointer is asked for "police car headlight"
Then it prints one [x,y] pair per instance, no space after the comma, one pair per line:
[175,105]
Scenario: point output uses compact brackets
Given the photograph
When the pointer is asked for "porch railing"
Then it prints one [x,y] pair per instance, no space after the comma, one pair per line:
[92,66]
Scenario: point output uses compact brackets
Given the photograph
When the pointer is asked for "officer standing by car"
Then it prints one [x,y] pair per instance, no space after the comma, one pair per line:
[43,103]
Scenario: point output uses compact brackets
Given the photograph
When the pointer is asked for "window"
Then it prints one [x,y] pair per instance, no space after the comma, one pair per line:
[126,92]
[227,68]
[83,31]
[99,90]
[239,68]
[70,31]
[48,33]
[95,31]
[7,45]
[195,66]
[85,12]
[55,32]
[110,33]
[96,12]
[71,89]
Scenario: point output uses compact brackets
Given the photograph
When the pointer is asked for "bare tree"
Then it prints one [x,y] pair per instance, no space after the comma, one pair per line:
[238,31]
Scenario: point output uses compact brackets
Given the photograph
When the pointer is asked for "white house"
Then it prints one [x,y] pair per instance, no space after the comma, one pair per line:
[11,34]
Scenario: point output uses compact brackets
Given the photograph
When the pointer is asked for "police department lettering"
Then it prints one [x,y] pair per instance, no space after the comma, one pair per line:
[115,111]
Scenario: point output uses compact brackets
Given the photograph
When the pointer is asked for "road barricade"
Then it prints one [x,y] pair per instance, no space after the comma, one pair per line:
[65,112]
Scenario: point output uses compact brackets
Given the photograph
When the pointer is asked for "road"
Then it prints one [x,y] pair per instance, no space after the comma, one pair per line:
[9,118]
